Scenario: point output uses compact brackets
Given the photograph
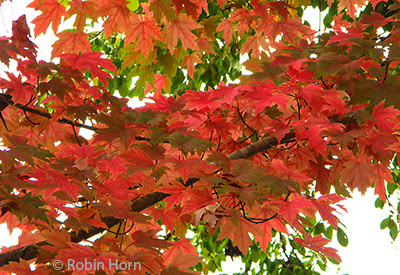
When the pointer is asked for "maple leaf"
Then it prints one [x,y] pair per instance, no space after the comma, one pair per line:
[291,209]
[384,176]
[238,231]
[7,49]
[191,8]
[189,61]
[350,6]
[22,267]
[376,19]
[317,244]
[82,10]
[204,43]
[118,16]
[358,174]
[52,12]
[114,166]
[71,42]
[322,204]
[162,8]
[253,45]
[322,175]
[21,34]
[161,82]
[20,93]
[227,27]
[184,261]
[181,28]
[91,61]
[269,212]
[290,28]
[181,246]
[142,29]
[137,159]
[385,117]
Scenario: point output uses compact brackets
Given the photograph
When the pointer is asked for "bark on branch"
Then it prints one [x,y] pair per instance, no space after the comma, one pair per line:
[6,100]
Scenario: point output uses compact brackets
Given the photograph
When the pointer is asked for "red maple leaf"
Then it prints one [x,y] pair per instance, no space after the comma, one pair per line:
[21,34]
[91,61]
[317,244]
[238,229]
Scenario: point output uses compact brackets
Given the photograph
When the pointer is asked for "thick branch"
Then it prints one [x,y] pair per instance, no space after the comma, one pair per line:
[260,146]
[6,100]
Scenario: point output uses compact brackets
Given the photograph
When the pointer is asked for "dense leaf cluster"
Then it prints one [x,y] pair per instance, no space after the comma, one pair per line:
[206,170]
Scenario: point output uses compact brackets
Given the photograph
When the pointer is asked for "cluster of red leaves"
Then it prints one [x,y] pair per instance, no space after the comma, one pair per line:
[313,138]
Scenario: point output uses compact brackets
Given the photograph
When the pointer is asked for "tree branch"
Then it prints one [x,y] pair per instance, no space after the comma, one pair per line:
[6,100]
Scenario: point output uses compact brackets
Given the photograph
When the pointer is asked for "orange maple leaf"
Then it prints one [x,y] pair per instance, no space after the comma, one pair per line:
[292,28]
[183,245]
[226,26]
[21,267]
[181,28]
[141,30]
[204,43]
[350,6]
[254,43]
[358,174]
[189,61]
[160,83]
[118,16]
[71,42]
[238,229]
[82,10]
[52,11]
[184,261]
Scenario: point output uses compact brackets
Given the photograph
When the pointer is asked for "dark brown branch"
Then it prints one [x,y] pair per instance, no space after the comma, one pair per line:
[6,100]
[260,146]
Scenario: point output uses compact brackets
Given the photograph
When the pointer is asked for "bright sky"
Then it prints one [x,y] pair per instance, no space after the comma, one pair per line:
[370,250]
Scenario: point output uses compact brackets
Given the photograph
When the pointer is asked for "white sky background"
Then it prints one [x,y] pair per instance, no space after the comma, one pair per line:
[370,250]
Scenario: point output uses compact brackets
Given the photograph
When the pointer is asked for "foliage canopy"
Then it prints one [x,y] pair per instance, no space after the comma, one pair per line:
[255,169]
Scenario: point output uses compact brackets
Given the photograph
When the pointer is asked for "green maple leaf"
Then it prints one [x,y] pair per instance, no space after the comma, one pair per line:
[188,143]
[374,91]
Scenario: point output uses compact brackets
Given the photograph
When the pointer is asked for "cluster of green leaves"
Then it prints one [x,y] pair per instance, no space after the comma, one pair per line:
[283,255]
[392,222]
[222,64]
